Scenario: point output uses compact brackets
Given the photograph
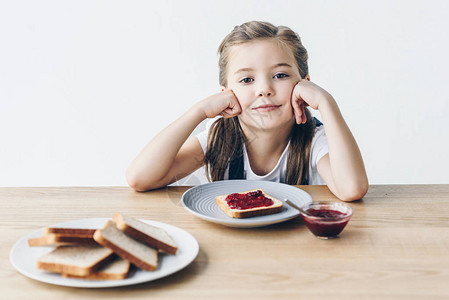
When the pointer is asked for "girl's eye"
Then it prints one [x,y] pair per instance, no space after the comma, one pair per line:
[246,80]
[281,75]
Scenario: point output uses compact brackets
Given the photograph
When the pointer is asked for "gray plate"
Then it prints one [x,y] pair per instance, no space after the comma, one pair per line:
[200,201]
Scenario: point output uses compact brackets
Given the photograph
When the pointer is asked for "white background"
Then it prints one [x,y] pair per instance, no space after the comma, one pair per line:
[84,85]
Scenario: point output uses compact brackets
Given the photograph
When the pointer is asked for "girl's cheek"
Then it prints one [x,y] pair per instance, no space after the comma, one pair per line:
[243,97]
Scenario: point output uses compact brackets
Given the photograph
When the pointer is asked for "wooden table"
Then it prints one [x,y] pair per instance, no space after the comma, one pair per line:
[395,246]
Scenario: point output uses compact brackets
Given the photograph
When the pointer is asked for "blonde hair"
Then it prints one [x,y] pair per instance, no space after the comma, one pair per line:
[226,138]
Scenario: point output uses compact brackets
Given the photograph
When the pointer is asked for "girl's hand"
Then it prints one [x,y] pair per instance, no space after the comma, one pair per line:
[306,93]
[224,104]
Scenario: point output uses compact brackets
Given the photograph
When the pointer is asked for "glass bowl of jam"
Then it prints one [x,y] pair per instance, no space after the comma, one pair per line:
[326,219]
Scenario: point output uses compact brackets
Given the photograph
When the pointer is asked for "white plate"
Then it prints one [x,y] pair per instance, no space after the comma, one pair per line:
[24,258]
[200,201]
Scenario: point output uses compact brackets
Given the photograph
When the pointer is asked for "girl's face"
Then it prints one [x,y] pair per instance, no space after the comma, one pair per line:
[262,75]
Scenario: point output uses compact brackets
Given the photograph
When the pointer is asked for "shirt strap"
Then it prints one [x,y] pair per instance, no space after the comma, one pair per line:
[236,168]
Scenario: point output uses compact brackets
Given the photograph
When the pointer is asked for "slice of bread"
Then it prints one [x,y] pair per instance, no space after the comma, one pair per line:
[70,231]
[126,247]
[152,236]
[46,241]
[250,212]
[75,260]
[64,237]
[56,240]
[115,270]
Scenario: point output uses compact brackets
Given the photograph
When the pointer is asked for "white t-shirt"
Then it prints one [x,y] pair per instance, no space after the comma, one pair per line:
[319,148]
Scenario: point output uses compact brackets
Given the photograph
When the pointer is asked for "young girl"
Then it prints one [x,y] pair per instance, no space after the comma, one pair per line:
[264,130]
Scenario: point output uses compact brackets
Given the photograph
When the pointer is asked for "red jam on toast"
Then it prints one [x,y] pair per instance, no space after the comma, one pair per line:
[249,200]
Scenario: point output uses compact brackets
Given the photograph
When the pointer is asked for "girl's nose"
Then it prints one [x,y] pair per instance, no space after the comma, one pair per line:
[264,88]
[264,93]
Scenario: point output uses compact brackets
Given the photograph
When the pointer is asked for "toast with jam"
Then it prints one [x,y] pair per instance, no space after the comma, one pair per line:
[248,204]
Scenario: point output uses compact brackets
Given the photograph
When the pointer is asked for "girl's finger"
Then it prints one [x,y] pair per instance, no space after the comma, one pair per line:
[231,112]
[297,110]
[225,114]
[295,104]
[298,116]
[235,104]
[234,107]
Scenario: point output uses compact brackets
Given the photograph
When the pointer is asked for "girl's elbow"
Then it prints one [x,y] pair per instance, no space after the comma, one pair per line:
[138,188]
[136,183]
[355,192]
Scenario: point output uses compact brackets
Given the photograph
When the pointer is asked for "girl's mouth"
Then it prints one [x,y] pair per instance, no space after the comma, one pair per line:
[265,108]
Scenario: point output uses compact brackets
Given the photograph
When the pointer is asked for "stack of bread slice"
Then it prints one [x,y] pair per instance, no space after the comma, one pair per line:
[104,254]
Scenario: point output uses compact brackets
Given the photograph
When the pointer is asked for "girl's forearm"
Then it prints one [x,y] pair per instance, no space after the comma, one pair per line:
[346,162]
[155,160]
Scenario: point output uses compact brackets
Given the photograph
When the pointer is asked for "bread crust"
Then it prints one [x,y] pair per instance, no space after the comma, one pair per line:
[69,231]
[98,237]
[44,241]
[142,237]
[252,212]
[61,240]
[76,240]
[54,236]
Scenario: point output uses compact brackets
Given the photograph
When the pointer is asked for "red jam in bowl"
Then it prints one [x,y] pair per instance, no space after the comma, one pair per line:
[326,219]
[249,200]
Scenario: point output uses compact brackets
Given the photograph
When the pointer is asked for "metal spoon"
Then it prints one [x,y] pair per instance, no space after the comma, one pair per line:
[295,206]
